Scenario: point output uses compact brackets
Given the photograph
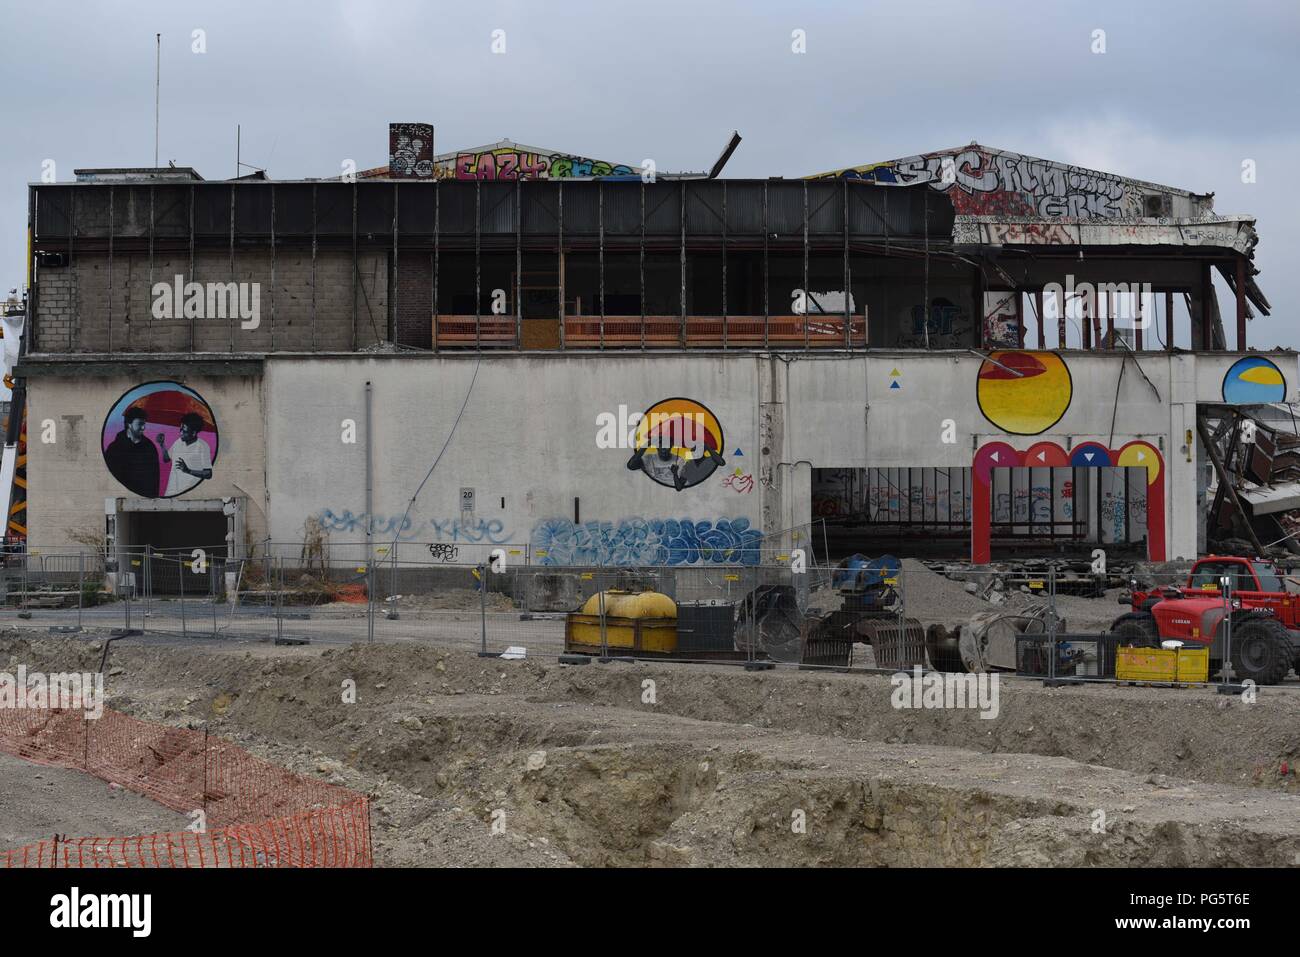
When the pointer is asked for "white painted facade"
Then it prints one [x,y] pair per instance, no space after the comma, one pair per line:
[527,442]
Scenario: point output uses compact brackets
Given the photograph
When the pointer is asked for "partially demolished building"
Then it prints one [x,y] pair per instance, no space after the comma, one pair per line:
[965,353]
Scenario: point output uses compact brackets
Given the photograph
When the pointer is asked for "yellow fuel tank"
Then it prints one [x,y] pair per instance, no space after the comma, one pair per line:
[620,604]
[644,622]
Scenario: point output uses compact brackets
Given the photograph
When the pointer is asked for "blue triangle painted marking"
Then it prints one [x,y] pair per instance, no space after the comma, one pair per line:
[894,385]
[737,452]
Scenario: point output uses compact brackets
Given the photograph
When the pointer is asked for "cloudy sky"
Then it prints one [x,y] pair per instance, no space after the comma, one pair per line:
[1184,93]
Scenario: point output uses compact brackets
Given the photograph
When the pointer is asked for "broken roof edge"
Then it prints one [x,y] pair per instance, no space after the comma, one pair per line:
[997,151]
[1229,232]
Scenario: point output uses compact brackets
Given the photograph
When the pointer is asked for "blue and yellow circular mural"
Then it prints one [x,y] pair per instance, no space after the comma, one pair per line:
[1253,380]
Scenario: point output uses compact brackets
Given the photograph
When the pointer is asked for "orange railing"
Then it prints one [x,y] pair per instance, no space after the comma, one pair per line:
[634,332]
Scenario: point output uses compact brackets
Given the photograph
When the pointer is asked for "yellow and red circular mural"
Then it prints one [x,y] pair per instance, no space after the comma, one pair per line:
[679,443]
[1024,393]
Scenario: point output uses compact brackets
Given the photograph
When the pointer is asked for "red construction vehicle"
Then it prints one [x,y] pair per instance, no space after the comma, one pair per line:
[1265,639]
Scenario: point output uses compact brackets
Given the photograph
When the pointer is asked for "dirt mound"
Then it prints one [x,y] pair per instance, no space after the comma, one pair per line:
[490,762]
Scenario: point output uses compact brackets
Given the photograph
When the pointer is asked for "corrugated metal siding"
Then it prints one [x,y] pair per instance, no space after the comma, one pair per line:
[874,211]
[663,209]
[416,205]
[704,208]
[622,209]
[540,208]
[581,209]
[496,213]
[744,208]
[785,208]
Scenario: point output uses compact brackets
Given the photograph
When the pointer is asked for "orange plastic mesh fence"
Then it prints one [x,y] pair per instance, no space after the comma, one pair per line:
[256,814]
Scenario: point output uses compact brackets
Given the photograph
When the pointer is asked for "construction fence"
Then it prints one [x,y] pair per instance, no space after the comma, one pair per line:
[246,812]
[783,606]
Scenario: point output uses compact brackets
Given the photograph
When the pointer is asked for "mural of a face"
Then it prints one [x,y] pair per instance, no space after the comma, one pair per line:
[1024,393]
[1253,380]
[678,444]
[160,440]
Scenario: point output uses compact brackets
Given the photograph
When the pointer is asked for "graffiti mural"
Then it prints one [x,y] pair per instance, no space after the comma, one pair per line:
[160,440]
[1024,393]
[410,150]
[473,531]
[739,482]
[641,541]
[948,327]
[678,443]
[1253,380]
[1002,326]
[982,181]
[507,162]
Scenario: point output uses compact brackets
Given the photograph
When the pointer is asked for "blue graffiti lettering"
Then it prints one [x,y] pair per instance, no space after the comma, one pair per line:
[469,530]
[383,526]
[387,526]
[640,541]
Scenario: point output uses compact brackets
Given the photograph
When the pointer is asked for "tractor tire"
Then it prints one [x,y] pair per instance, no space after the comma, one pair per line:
[1136,630]
[1261,651]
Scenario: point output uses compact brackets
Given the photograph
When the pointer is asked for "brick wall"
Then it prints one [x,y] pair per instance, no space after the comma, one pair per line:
[413,303]
[305,309]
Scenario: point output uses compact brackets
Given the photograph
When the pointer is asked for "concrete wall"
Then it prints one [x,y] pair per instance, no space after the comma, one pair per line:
[785,414]
[527,442]
[68,480]
[527,439]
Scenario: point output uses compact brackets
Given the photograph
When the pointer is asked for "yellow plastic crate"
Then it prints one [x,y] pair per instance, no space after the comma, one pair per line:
[657,636]
[1194,664]
[1146,664]
[1190,665]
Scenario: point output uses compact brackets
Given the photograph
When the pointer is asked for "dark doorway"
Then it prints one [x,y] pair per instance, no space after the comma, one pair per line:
[165,541]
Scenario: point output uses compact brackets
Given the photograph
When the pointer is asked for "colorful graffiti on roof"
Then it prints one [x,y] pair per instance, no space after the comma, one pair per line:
[510,163]
[986,182]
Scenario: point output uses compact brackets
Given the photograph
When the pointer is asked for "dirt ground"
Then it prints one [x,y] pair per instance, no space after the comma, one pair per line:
[39,802]
[487,762]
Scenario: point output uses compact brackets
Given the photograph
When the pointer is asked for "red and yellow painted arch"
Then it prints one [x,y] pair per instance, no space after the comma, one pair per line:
[996,455]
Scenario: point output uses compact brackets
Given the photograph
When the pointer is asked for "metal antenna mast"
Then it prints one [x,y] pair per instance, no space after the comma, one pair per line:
[157,85]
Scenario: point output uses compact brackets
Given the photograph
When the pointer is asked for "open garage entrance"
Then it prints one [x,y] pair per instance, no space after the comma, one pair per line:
[927,512]
[160,535]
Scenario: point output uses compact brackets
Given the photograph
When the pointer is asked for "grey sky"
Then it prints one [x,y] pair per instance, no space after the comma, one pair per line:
[1186,91]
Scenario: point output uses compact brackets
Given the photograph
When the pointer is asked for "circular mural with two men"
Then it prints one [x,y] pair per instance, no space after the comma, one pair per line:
[160,439]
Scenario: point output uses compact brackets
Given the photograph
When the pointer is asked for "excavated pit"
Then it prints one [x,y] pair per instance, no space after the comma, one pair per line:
[488,762]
